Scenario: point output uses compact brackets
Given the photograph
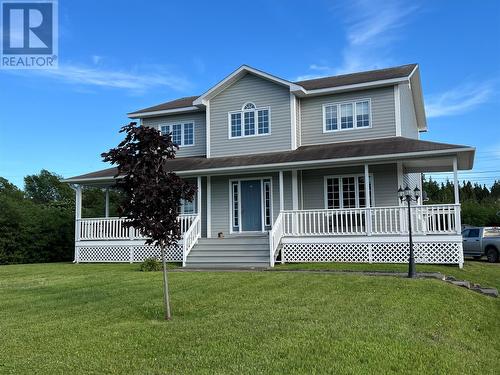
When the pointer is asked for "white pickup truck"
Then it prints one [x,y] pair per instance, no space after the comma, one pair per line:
[482,241]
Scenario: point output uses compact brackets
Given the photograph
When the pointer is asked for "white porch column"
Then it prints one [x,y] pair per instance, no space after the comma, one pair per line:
[368,202]
[458,219]
[198,195]
[282,198]
[455,180]
[209,207]
[295,190]
[106,209]
[78,216]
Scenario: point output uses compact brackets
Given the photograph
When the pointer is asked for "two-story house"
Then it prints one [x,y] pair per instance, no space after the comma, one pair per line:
[296,172]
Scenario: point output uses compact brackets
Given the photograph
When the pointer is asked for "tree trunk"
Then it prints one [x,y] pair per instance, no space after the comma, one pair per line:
[166,298]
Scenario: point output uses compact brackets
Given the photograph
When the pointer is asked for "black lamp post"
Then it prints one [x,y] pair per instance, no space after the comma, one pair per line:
[410,196]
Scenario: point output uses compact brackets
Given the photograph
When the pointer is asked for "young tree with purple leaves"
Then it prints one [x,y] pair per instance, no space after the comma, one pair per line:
[152,193]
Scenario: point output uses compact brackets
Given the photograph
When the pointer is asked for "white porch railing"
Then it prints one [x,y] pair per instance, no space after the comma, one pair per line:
[113,228]
[190,238]
[372,221]
[275,235]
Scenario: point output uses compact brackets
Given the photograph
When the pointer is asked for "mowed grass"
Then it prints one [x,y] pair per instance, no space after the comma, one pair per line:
[101,319]
[479,272]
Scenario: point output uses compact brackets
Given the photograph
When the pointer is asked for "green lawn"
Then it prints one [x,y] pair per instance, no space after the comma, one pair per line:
[479,272]
[74,319]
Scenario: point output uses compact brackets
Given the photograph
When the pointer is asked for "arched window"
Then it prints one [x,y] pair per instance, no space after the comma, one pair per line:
[250,121]
[248,106]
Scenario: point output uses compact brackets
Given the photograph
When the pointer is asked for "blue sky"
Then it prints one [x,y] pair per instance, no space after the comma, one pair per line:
[116,59]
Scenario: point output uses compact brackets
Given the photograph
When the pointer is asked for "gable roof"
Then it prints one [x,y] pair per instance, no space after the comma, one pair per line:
[302,88]
[236,75]
[393,148]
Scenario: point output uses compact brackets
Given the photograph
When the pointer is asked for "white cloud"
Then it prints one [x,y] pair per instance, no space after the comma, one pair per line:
[371,29]
[458,100]
[96,59]
[138,80]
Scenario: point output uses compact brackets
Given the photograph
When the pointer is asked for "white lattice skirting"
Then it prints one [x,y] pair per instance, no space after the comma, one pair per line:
[124,253]
[443,252]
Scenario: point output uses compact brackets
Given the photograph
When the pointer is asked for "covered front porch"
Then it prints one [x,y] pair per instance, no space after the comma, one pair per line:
[347,213]
[334,202]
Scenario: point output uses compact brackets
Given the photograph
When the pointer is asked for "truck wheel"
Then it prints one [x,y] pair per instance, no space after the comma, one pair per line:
[492,255]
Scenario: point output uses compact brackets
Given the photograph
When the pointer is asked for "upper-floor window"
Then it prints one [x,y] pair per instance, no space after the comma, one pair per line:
[182,132]
[347,115]
[250,121]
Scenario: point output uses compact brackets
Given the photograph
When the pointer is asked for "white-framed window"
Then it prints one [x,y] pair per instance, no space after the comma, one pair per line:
[341,116]
[267,203]
[250,121]
[235,191]
[187,207]
[347,191]
[182,132]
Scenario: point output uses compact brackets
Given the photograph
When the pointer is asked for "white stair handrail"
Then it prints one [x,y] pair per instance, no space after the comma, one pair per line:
[275,235]
[190,238]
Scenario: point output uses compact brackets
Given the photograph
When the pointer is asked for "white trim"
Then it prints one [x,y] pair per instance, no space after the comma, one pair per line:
[282,198]
[262,202]
[256,122]
[209,207]
[356,86]
[301,191]
[235,76]
[371,239]
[182,123]
[106,203]
[295,190]
[243,109]
[356,176]
[270,202]
[397,109]
[413,71]
[208,129]
[162,112]
[293,117]
[354,103]
[455,182]
[198,196]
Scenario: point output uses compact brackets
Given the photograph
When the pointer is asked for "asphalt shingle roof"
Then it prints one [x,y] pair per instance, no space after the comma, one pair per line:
[311,84]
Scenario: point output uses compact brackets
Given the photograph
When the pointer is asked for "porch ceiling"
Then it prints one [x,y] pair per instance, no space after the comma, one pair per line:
[413,152]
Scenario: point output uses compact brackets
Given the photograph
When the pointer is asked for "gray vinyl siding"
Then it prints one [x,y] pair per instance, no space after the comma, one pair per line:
[199,119]
[297,116]
[383,117]
[220,200]
[263,94]
[384,184]
[408,117]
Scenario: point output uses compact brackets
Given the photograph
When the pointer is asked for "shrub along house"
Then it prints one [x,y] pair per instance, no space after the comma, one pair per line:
[296,172]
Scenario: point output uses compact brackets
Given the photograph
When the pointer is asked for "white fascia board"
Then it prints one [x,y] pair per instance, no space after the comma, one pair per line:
[90,179]
[164,112]
[238,73]
[356,86]
[418,99]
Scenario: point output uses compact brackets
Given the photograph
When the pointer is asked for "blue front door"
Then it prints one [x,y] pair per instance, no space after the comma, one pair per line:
[251,205]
